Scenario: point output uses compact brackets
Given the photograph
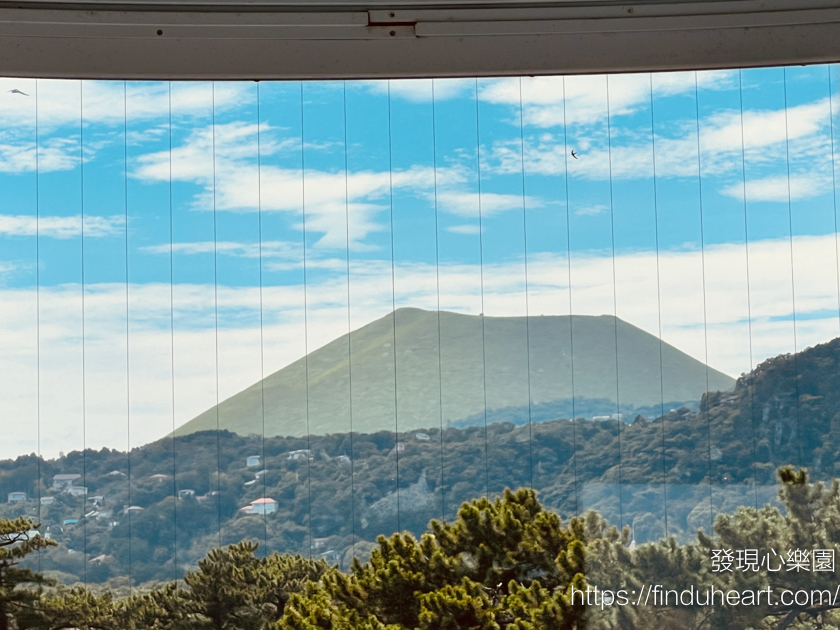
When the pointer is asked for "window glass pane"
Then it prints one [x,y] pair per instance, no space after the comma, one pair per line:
[105,341]
[461,338]
[150,360]
[639,349]
[60,296]
[593,298]
[283,391]
[418,348]
[328,366]
[502,206]
[195,324]
[553,430]
[374,399]
[309,314]
[769,248]
[19,316]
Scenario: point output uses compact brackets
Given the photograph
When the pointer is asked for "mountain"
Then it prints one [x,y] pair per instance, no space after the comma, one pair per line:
[444,374]
[154,512]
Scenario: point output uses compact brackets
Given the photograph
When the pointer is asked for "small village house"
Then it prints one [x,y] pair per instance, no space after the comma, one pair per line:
[63,481]
[261,506]
[16,497]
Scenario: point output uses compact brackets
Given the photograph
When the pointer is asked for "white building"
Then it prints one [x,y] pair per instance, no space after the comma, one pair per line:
[17,497]
[47,500]
[302,453]
[261,506]
[64,481]
[76,491]
[253,460]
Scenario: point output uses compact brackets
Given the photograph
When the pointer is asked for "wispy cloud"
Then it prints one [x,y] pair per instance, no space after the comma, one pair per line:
[779,188]
[721,334]
[61,227]
[328,199]
[420,90]
[464,229]
[268,249]
[771,140]
[110,102]
[586,97]
[591,211]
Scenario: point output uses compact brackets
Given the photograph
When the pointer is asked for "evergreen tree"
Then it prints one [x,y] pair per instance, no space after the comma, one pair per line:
[17,597]
[501,564]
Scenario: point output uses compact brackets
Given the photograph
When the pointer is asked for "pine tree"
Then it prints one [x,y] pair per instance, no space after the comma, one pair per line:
[501,564]
[16,593]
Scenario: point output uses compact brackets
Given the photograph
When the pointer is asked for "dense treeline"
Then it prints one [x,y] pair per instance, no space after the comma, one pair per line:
[501,564]
[336,493]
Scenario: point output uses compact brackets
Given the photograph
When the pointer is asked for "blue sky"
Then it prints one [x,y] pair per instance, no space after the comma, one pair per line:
[455,192]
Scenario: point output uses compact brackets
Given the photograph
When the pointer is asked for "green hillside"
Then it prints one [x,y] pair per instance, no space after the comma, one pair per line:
[154,512]
[449,376]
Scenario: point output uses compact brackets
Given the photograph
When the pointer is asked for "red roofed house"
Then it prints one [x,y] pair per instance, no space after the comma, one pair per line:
[261,506]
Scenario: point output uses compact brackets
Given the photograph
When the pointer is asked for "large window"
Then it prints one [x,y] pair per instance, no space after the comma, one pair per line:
[308,314]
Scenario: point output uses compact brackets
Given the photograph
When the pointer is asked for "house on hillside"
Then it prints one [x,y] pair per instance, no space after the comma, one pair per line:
[160,477]
[49,500]
[253,460]
[303,453]
[63,481]
[398,448]
[76,491]
[16,497]
[132,508]
[261,506]
[185,493]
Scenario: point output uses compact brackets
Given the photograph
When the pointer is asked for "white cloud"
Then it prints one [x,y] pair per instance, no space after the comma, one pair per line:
[768,146]
[636,294]
[330,199]
[466,204]
[64,106]
[586,96]
[60,227]
[269,249]
[464,229]
[420,90]
[591,211]
[777,188]
[63,102]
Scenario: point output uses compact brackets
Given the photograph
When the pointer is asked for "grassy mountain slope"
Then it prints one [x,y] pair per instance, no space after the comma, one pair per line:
[448,377]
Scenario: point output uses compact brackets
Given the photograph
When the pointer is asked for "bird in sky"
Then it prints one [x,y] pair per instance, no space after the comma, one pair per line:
[17,91]
[574,155]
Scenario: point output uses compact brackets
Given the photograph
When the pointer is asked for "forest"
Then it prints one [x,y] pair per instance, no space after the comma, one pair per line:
[149,515]
[501,564]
